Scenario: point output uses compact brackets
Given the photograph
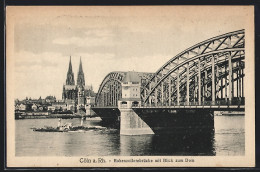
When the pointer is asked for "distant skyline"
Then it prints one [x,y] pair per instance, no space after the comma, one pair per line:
[107,39]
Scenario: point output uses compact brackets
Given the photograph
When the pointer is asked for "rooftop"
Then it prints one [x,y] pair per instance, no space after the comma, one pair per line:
[132,76]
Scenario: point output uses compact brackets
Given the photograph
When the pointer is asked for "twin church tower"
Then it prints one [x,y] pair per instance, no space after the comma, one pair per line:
[75,95]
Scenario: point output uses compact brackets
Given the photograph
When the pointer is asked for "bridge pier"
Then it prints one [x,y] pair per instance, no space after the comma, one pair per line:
[132,124]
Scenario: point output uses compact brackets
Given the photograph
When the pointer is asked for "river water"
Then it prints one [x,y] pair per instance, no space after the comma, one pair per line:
[227,139]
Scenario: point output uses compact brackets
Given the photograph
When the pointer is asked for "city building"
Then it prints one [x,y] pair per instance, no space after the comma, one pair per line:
[61,106]
[51,108]
[50,99]
[34,107]
[131,90]
[76,97]
[23,107]
[75,94]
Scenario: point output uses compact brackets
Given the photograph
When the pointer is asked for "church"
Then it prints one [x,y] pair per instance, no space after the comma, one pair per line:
[75,95]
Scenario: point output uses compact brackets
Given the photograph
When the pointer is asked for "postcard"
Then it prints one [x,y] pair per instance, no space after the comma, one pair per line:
[130,86]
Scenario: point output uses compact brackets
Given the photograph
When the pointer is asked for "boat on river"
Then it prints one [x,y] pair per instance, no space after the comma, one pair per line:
[67,127]
[49,129]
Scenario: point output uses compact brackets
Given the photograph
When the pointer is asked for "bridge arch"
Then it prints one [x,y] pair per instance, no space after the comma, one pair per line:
[110,89]
[210,71]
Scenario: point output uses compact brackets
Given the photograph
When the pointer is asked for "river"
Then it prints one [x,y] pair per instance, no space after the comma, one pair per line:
[228,139]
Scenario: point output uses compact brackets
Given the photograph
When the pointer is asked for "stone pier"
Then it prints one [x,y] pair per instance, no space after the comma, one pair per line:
[88,110]
[132,124]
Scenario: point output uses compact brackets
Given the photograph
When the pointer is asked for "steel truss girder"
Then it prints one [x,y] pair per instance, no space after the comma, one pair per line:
[189,60]
[112,76]
[194,74]
[230,42]
[110,90]
[208,82]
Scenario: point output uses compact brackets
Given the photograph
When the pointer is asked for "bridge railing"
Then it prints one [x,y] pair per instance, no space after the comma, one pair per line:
[235,101]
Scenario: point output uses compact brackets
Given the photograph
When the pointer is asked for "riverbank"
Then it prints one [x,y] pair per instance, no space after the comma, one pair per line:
[229,113]
[63,116]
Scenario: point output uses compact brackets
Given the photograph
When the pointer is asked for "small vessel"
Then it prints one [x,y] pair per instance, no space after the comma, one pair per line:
[60,128]
[67,127]
[49,129]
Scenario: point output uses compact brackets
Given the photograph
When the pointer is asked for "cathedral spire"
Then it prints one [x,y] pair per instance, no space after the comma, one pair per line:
[70,66]
[81,78]
[70,75]
[80,66]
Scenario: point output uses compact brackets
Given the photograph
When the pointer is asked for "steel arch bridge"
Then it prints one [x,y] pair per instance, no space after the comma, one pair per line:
[208,73]
[110,90]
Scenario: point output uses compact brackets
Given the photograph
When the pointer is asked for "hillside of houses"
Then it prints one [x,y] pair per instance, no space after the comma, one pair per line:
[48,106]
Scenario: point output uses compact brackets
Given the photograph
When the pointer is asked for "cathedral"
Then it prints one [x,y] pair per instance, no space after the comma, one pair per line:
[74,95]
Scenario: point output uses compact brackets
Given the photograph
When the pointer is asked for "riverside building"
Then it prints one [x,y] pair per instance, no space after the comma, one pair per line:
[74,94]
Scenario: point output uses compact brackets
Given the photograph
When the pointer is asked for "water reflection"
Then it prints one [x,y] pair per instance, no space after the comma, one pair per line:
[175,144]
[135,145]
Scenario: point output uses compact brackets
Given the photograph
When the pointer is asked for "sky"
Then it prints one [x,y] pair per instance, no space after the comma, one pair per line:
[107,39]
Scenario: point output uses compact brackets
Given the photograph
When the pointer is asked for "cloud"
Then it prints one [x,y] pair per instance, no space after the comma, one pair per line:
[81,42]
[97,37]
[99,33]
[39,74]
[27,60]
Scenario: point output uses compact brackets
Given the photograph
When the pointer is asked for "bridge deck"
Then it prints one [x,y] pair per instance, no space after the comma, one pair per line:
[211,107]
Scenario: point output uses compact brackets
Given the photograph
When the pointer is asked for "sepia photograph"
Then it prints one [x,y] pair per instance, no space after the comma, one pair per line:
[130,86]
